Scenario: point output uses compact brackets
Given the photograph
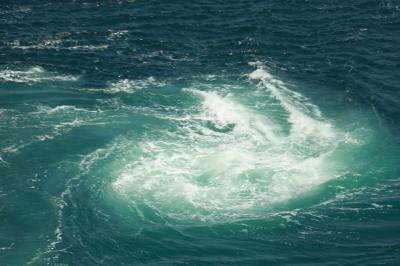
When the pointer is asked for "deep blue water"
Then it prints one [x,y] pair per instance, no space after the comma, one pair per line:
[200,132]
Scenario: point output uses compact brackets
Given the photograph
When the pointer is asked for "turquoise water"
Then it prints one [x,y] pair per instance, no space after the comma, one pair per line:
[199,133]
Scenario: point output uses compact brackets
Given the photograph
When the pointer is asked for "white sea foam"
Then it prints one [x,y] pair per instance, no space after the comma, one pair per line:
[62,119]
[33,75]
[87,47]
[130,86]
[55,43]
[11,246]
[58,232]
[2,161]
[223,112]
[45,44]
[230,160]
[112,35]
[64,109]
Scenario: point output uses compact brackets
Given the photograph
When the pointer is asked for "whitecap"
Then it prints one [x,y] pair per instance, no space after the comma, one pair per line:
[33,75]
[130,86]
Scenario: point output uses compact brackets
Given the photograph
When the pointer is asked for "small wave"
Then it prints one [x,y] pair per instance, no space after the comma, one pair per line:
[61,109]
[33,75]
[56,44]
[87,47]
[112,35]
[129,86]
[2,161]
[45,44]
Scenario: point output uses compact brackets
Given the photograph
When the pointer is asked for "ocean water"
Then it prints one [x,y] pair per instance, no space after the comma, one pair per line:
[200,132]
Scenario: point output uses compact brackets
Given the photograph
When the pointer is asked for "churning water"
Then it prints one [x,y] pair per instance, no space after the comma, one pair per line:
[199,133]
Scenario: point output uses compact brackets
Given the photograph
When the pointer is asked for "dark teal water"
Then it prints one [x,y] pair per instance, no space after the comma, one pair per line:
[200,132]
